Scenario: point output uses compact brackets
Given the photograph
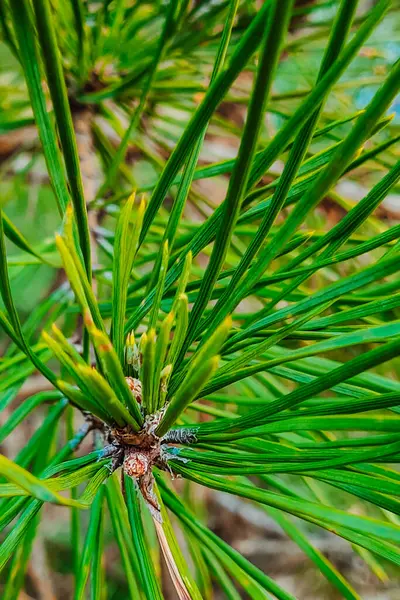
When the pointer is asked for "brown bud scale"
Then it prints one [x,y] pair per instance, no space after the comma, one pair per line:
[135,385]
[136,463]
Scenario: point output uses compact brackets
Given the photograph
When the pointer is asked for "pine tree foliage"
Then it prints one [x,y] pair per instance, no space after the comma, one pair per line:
[202,303]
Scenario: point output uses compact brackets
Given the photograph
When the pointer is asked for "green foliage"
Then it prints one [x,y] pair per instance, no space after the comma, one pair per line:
[233,321]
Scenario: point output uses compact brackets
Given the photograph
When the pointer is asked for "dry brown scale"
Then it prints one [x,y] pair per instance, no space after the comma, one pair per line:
[137,453]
